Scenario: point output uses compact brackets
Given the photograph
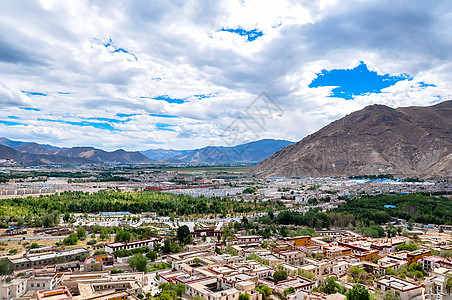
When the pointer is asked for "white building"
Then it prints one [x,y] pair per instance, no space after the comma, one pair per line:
[37,283]
[435,284]
[13,289]
[111,247]
[245,239]
[406,289]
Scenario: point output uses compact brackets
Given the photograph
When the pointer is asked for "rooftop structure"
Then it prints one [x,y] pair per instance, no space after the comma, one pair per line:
[46,259]
[62,293]
[111,247]
[406,289]
[298,283]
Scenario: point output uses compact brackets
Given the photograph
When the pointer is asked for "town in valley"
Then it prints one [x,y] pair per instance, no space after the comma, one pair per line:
[272,238]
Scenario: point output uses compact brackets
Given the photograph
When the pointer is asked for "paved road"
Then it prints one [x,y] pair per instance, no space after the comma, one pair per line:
[32,238]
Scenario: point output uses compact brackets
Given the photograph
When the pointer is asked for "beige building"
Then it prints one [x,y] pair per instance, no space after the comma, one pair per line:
[294,258]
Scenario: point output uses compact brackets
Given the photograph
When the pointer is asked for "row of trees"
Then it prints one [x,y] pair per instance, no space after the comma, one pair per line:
[419,207]
[367,213]
[136,202]
[313,218]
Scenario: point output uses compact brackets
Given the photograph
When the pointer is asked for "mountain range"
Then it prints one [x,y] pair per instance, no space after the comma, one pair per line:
[24,153]
[406,141]
[30,153]
[252,152]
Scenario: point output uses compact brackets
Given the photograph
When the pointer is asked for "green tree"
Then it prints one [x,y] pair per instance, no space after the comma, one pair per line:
[271,214]
[244,297]
[123,236]
[264,290]
[358,275]
[390,271]
[166,246]
[391,295]
[410,224]
[34,246]
[165,296]
[358,292]
[138,263]
[331,286]
[20,222]
[5,266]
[66,217]
[81,233]
[180,289]
[279,276]
[183,233]
[72,239]
[284,231]
[51,219]
[449,283]
[152,255]
[289,290]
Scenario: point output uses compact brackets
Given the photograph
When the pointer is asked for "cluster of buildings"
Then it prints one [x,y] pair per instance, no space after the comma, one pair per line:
[305,259]
[307,262]
[70,274]
[215,271]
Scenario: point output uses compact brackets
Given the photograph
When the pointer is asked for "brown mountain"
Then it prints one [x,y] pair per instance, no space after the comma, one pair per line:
[98,155]
[406,141]
[37,154]
[34,148]
[9,155]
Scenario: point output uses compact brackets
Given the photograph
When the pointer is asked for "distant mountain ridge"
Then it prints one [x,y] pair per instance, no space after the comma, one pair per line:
[98,155]
[9,155]
[406,141]
[164,154]
[252,152]
[31,153]
[38,154]
[10,143]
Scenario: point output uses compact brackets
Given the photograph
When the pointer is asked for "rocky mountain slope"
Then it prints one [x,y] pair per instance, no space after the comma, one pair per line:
[406,141]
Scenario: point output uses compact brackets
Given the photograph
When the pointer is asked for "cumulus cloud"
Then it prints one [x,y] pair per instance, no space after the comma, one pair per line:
[10,96]
[96,62]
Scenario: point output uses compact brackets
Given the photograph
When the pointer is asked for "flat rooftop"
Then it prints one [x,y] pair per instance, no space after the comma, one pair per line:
[397,283]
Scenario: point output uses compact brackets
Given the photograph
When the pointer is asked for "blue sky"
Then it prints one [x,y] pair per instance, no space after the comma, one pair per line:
[250,35]
[349,83]
[184,75]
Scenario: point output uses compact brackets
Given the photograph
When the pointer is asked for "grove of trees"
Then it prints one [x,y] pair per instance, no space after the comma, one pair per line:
[48,208]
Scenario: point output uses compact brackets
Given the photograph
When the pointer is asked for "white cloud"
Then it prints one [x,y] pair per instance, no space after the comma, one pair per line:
[176,49]
[10,96]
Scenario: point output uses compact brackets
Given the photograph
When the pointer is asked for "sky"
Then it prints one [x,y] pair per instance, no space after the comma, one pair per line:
[154,74]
